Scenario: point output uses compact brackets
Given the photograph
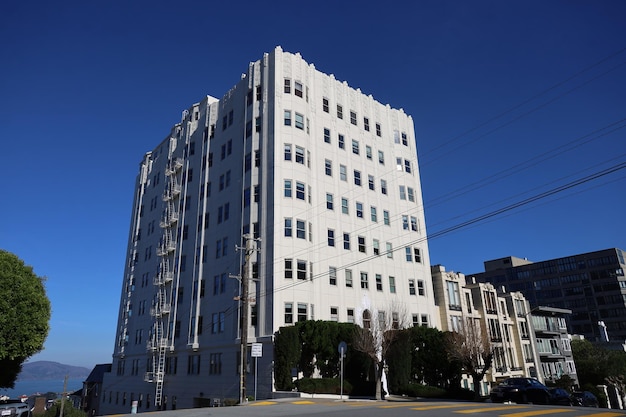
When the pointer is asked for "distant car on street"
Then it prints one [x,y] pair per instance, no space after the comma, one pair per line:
[559,396]
[585,399]
[520,390]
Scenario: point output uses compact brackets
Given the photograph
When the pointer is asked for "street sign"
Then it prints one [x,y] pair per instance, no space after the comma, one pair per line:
[257,350]
[342,348]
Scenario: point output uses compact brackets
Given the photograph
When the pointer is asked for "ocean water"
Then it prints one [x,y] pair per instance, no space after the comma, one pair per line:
[41,387]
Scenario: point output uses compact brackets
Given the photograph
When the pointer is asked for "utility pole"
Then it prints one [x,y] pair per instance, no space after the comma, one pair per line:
[245,303]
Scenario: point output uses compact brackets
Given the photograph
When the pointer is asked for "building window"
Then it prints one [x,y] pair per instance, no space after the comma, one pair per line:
[411,287]
[368,152]
[343,173]
[367,319]
[348,275]
[300,190]
[376,246]
[361,242]
[329,201]
[364,281]
[302,312]
[287,152]
[331,237]
[417,255]
[408,255]
[379,282]
[325,105]
[402,192]
[389,247]
[341,141]
[386,218]
[328,167]
[357,177]
[288,268]
[288,313]
[301,269]
[414,223]
[288,227]
[332,275]
[300,155]
[366,124]
[298,88]
[287,189]
[407,166]
[334,314]
[300,229]
[370,182]
[299,121]
[287,84]
[411,194]
[339,111]
[326,135]
[287,117]
[392,285]
[405,222]
[353,117]
[355,146]
[350,315]
[383,186]
[396,136]
[359,209]
[405,141]
[421,289]
[344,205]
[378,130]
[373,214]
[346,241]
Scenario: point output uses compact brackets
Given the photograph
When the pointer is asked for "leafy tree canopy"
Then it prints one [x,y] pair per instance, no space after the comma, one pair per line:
[24,316]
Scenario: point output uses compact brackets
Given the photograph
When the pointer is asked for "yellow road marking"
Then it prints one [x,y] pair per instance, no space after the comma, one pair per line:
[482,410]
[435,407]
[606,414]
[303,402]
[264,403]
[398,405]
[539,412]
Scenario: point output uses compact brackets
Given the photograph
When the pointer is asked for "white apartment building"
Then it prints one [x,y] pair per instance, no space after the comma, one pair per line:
[324,177]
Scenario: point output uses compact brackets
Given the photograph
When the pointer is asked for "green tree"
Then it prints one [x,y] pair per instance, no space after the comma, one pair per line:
[24,316]
[68,410]
[430,362]
[287,351]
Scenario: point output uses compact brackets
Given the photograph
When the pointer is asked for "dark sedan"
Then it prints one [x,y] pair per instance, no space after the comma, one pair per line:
[559,396]
[585,399]
[520,390]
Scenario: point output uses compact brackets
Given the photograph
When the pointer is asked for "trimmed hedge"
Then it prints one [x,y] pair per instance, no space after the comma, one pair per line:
[323,386]
[424,391]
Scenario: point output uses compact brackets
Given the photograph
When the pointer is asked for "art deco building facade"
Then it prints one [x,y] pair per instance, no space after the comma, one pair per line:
[591,285]
[504,318]
[322,176]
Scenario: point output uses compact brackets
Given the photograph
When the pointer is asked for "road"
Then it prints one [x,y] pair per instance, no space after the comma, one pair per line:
[350,408]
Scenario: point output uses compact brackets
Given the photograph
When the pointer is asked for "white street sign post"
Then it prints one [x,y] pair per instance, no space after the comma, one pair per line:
[256,353]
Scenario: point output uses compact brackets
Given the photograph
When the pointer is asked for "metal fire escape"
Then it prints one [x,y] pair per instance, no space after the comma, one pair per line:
[162,303]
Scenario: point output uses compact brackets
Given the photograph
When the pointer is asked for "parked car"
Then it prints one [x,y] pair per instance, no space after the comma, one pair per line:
[559,396]
[14,408]
[585,399]
[520,390]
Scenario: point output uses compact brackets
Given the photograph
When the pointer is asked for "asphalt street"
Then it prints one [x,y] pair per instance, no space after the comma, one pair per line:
[366,408]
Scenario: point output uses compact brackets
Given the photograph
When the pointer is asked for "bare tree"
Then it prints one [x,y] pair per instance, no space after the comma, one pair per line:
[472,348]
[377,336]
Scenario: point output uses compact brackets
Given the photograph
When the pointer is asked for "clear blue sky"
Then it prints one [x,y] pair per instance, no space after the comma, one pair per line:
[88,86]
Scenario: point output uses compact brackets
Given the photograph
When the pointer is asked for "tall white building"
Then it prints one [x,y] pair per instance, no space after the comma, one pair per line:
[325,177]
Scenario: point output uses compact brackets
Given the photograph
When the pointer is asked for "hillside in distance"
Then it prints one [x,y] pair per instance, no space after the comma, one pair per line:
[47,370]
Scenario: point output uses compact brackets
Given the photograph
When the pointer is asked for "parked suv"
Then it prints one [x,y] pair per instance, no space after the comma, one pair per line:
[14,408]
[520,390]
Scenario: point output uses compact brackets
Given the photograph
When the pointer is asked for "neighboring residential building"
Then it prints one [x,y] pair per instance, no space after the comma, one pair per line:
[591,285]
[325,177]
[503,316]
[92,389]
[553,343]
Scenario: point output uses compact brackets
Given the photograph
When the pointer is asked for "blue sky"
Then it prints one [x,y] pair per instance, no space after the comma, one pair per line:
[505,96]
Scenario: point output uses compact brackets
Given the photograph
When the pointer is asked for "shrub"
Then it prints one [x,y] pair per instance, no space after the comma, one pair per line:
[323,386]
[424,391]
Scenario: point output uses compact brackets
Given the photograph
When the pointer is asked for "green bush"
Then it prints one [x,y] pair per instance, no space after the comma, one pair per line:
[323,386]
[424,391]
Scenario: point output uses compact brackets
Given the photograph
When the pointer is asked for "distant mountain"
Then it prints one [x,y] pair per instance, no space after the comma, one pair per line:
[46,370]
